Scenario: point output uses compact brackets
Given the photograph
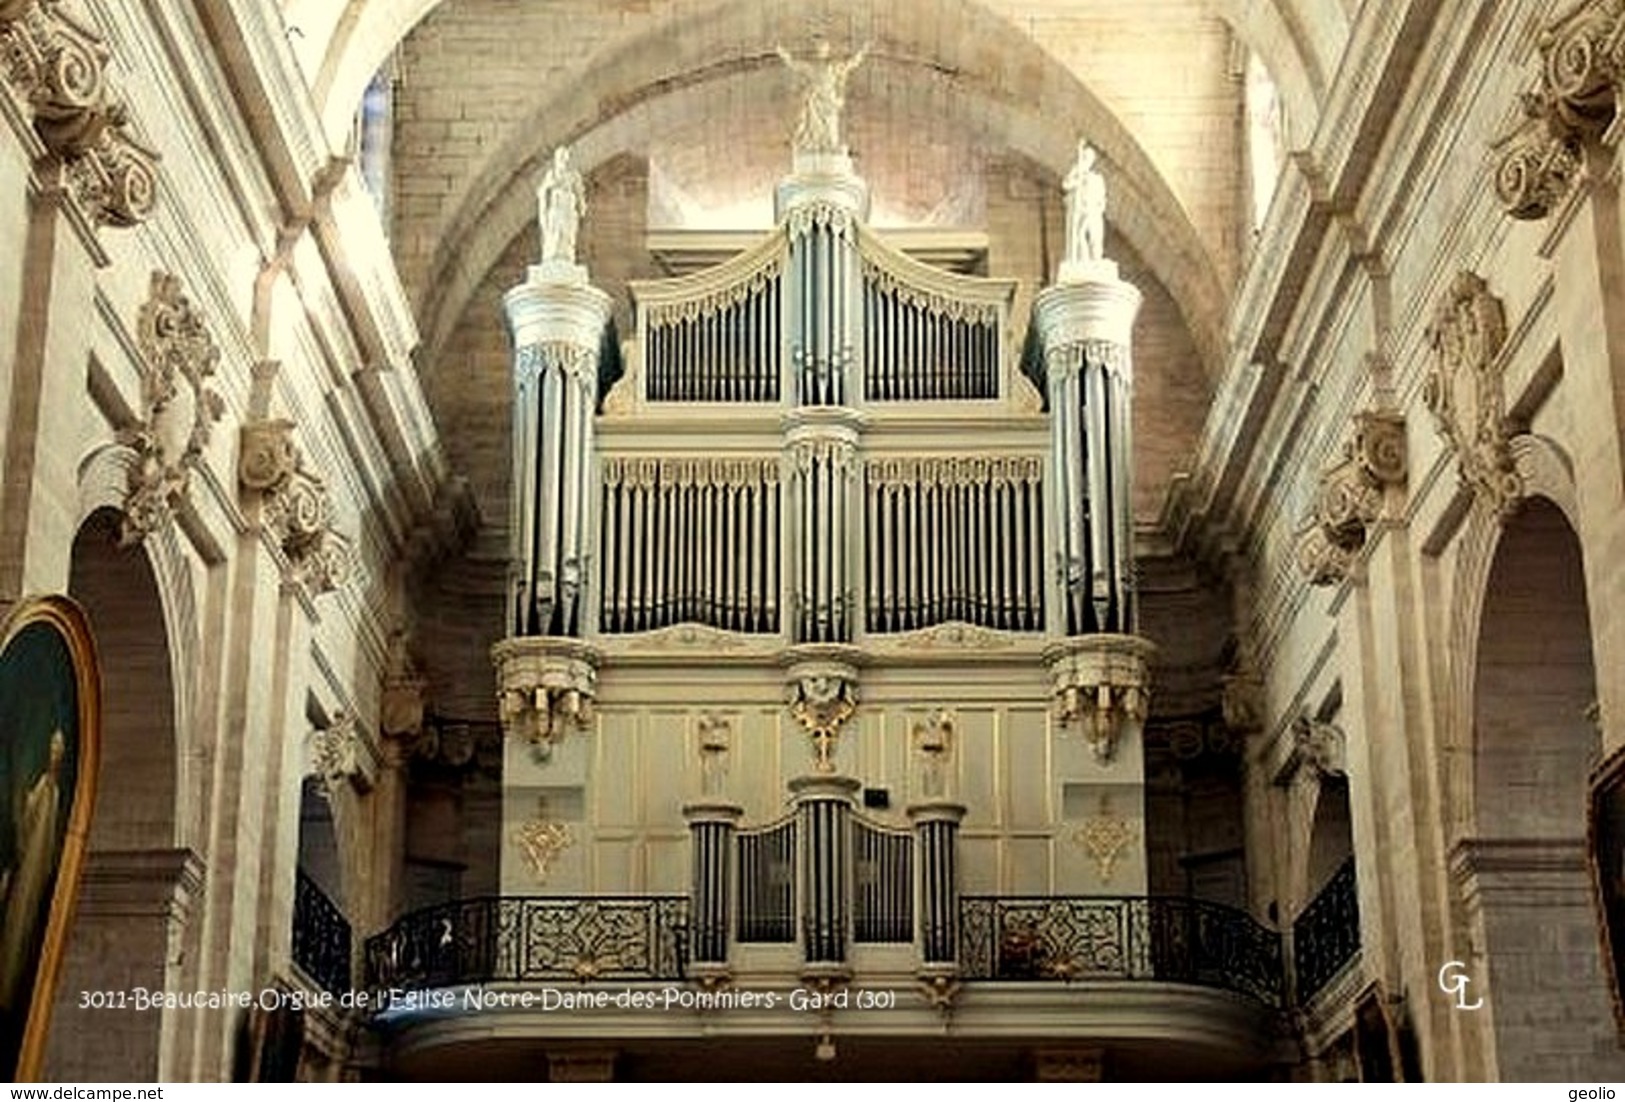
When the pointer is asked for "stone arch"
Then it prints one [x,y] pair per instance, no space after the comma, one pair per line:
[140,879]
[1040,106]
[1519,793]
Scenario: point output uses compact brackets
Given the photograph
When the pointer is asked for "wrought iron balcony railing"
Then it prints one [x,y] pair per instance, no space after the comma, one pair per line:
[1326,934]
[1069,938]
[321,936]
[533,938]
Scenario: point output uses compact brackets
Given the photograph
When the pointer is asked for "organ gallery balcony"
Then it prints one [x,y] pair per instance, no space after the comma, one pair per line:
[475,985]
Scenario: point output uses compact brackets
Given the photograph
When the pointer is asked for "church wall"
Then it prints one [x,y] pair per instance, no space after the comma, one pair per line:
[1390,637]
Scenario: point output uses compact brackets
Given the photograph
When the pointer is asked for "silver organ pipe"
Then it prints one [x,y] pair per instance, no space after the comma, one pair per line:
[555,392]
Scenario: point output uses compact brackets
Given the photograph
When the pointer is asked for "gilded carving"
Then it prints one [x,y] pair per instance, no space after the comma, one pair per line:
[823,696]
[934,743]
[1104,837]
[1464,390]
[179,408]
[540,841]
[57,66]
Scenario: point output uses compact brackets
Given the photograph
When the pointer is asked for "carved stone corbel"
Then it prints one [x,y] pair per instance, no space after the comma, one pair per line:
[1576,100]
[295,505]
[546,687]
[178,407]
[1464,391]
[1103,684]
[1348,500]
[57,66]
[340,754]
[1315,750]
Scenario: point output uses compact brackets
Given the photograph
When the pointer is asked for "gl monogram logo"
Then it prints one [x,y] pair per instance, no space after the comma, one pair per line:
[1453,980]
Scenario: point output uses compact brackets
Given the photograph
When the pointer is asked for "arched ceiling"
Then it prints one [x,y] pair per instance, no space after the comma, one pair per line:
[1017,82]
[341,43]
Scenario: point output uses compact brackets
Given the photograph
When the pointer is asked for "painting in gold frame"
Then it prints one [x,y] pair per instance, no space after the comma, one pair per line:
[1605,847]
[50,714]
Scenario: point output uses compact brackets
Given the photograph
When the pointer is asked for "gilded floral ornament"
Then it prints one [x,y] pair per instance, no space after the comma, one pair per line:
[1464,391]
[823,696]
[540,841]
[1104,837]
[179,408]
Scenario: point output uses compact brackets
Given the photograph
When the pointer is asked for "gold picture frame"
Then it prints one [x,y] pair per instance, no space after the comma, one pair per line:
[1605,857]
[49,681]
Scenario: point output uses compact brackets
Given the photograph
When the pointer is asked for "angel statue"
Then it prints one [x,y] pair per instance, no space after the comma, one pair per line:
[824,82]
[1085,208]
[561,200]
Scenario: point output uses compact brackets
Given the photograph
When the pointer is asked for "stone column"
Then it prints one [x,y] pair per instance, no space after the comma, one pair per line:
[711,825]
[824,806]
[936,834]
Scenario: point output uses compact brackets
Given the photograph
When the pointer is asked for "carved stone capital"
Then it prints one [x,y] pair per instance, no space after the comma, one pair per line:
[1315,750]
[1576,99]
[178,407]
[295,506]
[340,754]
[1349,497]
[57,66]
[1465,391]
[545,687]
[1103,684]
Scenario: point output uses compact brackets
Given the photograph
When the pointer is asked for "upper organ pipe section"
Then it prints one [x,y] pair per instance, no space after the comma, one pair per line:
[786,456]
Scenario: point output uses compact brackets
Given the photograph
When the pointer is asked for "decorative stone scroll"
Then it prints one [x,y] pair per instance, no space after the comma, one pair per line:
[1349,498]
[1575,101]
[546,687]
[56,66]
[1465,393]
[295,505]
[823,695]
[178,407]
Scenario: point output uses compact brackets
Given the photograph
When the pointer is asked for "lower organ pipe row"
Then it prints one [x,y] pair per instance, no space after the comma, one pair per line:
[690,541]
[955,538]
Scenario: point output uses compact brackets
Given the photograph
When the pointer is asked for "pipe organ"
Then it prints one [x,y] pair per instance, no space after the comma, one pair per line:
[785,466]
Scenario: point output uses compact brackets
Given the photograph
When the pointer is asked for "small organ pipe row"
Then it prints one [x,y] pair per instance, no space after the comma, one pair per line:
[1091,421]
[883,883]
[921,347]
[692,540]
[767,883]
[723,346]
[554,399]
[821,472]
[954,538]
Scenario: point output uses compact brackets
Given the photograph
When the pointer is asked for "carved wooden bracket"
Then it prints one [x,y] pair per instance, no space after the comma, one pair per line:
[545,688]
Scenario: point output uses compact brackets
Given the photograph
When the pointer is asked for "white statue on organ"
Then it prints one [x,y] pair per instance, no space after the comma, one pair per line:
[1085,209]
[561,200]
[819,128]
